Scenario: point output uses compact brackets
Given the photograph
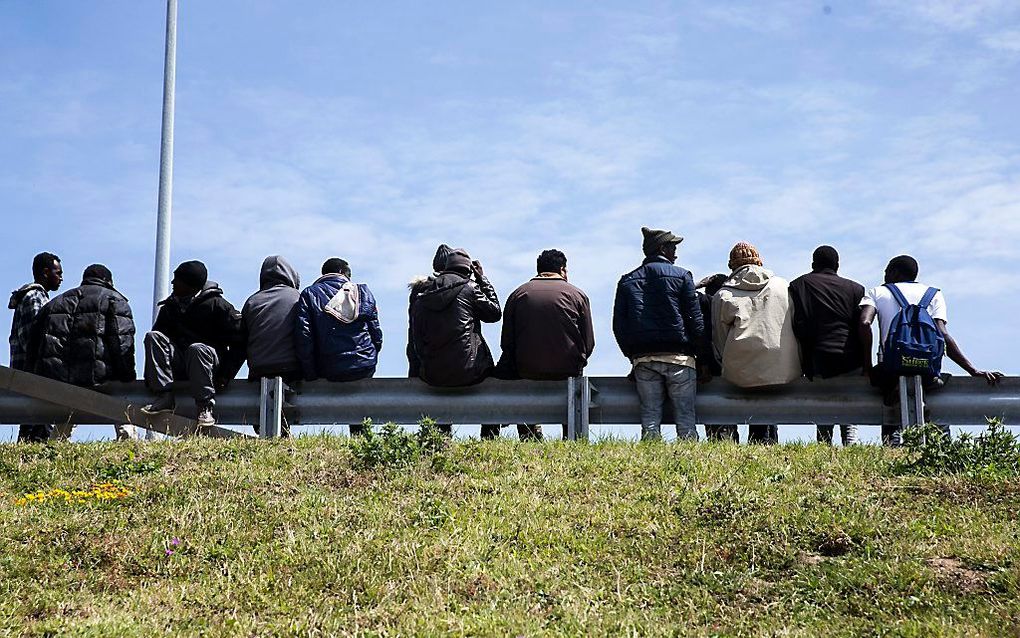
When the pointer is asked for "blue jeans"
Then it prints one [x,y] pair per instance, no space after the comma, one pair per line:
[655,380]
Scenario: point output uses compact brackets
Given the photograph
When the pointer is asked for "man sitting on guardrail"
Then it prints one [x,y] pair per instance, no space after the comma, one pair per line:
[658,325]
[446,326]
[826,311]
[753,330]
[86,337]
[196,337]
[547,330]
[27,302]
[894,302]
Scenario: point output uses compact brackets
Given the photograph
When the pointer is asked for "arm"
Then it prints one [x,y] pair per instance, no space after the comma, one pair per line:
[485,302]
[722,325]
[33,340]
[372,317]
[619,319]
[31,307]
[586,327]
[690,309]
[802,322]
[956,354]
[868,314]
[413,364]
[120,339]
[304,337]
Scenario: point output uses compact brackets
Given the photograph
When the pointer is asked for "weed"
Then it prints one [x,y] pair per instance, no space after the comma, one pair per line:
[995,453]
[393,447]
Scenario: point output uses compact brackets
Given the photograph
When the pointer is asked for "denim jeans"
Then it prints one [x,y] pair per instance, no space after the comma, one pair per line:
[656,380]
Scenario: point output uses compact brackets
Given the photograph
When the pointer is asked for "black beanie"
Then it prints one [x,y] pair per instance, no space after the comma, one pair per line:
[192,273]
[442,254]
[458,261]
[825,257]
[98,271]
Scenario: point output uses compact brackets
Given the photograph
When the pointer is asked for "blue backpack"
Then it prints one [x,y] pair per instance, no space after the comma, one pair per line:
[914,345]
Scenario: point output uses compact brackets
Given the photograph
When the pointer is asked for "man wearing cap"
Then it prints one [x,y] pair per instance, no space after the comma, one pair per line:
[826,312]
[85,337]
[197,336]
[753,330]
[658,325]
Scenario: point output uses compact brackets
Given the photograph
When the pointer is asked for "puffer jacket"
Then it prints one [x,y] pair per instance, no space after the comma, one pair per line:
[753,329]
[205,318]
[657,310]
[446,329]
[269,319]
[332,348]
[85,337]
[26,302]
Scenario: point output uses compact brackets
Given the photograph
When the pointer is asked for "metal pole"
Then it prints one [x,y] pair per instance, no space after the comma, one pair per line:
[161,279]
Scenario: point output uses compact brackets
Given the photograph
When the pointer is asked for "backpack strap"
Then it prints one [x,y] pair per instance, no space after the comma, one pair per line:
[929,296]
[897,295]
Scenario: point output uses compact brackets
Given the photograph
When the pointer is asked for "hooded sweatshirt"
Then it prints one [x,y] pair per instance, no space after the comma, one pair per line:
[446,329]
[269,317]
[26,302]
[753,329]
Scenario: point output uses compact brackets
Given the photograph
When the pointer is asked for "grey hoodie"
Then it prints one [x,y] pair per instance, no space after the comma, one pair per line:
[753,329]
[269,317]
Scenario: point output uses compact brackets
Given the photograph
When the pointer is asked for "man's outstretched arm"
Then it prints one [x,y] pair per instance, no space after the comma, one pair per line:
[956,354]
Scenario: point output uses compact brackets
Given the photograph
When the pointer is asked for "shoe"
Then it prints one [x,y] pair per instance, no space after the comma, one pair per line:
[205,417]
[163,403]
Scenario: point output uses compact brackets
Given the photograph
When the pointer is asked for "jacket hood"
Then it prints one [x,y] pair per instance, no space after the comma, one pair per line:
[749,277]
[277,271]
[20,293]
[442,291]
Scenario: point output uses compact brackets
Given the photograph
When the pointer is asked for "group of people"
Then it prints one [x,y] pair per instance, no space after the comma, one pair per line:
[748,326]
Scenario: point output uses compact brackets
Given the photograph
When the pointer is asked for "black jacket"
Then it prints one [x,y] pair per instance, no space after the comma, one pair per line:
[206,318]
[85,336]
[657,311]
[826,309]
[446,330]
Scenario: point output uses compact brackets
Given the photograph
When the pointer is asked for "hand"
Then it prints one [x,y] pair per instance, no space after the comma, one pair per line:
[991,377]
[220,384]
[704,375]
[476,267]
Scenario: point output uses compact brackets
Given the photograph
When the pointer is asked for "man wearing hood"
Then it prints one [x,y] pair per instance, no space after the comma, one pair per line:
[338,335]
[416,287]
[27,302]
[753,330]
[269,319]
[86,336]
[197,336]
[658,325]
[446,324]
[826,311]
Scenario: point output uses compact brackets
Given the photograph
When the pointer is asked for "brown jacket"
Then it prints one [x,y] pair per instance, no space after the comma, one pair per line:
[547,331]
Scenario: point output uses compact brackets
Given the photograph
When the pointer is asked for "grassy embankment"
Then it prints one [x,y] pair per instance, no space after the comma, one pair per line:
[298,537]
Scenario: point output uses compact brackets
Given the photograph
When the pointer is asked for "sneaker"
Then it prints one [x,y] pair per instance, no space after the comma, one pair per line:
[205,417]
[163,403]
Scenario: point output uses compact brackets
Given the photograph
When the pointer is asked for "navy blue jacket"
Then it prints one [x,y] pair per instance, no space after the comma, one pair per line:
[657,310]
[329,348]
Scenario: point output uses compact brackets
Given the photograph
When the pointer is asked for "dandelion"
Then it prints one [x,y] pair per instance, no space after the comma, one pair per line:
[98,492]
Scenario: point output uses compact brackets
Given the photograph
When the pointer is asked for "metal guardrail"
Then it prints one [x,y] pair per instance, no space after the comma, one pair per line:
[577,402]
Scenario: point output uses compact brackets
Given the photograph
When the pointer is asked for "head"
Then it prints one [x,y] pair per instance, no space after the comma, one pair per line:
[98,272]
[744,254]
[552,261]
[439,261]
[189,279]
[901,269]
[659,243]
[47,272]
[712,283]
[458,261]
[336,266]
[825,257]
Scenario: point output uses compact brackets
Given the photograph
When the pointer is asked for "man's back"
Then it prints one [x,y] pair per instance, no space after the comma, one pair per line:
[338,335]
[826,310]
[657,310]
[26,302]
[547,329]
[270,317]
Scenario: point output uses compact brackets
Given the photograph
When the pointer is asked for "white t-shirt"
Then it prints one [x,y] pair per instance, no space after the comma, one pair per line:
[885,304]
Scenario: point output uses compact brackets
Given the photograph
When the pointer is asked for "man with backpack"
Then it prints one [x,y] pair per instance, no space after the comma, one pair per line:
[912,320]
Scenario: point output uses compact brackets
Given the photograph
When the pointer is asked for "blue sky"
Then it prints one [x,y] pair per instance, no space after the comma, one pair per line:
[374,131]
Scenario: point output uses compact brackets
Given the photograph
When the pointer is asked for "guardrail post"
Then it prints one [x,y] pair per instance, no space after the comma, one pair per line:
[271,408]
[578,406]
[912,403]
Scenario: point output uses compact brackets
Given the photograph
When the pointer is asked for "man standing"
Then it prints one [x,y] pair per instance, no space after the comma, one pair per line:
[86,337]
[27,302]
[753,330]
[338,336]
[658,325]
[446,326]
[197,336]
[901,288]
[547,330]
[826,311]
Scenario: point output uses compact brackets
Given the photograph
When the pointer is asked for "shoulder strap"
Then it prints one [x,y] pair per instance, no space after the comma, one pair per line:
[929,296]
[897,295]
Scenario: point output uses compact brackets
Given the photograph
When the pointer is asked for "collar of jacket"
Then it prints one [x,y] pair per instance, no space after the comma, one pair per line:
[548,275]
[96,281]
[824,271]
[332,275]
[656,258]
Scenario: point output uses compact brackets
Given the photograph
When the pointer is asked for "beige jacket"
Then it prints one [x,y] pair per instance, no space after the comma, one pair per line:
[753,329]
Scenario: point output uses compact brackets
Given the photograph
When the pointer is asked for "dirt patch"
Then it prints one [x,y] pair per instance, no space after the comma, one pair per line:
[954,572]
[807,558]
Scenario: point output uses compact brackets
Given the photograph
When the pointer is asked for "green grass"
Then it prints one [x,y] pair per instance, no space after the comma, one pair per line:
[296,538]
